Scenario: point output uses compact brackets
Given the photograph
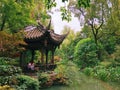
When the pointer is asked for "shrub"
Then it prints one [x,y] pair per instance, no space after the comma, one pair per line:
[85,53]
[61,75]
[44,79]
[102,74]
[27,83]
[109,44]
[8,61]
[8,80]
[9,70]
[67,73]
[88,71]
[10,44]
[116,57]
[105,74]
[6,87]
[8,74]
[114,74]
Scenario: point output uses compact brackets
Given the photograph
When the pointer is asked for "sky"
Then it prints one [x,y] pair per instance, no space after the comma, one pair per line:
[57,22]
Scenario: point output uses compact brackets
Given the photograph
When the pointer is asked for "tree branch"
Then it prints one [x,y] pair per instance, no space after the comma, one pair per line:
[3,24]
[102,19]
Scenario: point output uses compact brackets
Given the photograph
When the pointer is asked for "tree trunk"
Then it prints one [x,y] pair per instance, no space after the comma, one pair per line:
[95,34]
[3,24]
[22,58]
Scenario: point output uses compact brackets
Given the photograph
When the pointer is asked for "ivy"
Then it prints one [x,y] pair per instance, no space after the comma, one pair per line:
[50,3]
[83,3]
[64,0]
[66,15]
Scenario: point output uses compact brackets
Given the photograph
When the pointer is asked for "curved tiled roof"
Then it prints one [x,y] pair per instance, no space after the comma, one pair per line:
[33,33]
[57,38]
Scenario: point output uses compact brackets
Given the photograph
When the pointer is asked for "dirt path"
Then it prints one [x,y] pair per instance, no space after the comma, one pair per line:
[107,86]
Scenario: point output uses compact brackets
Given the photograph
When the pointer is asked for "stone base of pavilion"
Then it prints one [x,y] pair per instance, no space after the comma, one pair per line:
[37,68]
[45,67]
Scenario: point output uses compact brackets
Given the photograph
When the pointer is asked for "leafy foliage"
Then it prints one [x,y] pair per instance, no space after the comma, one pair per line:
[8,61]
[5,60]
[15,14]
[27,83]
[109,44]
[66,15]
[72,43]
[8,70]
[43,79]
[117,54]
[8,80]
[66,49]
[83,3]
[8,74]
[67,71]
[6,87]
[50,3]
[105,74]
[85,53]
[115,57]
[9,44]
[64,0]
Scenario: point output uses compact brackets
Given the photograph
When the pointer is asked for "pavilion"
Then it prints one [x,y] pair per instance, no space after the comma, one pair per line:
[43,39]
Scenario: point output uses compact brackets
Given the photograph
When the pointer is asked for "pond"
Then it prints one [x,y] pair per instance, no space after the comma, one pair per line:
[87,83]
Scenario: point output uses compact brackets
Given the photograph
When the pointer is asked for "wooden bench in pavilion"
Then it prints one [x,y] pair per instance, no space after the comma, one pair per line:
[43,39]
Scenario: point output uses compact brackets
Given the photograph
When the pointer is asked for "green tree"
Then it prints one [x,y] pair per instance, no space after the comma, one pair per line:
[66,14]
[93,19]
[85,53]
[69,38]
[15,14]
[65,47]
[111,32]
[9,44]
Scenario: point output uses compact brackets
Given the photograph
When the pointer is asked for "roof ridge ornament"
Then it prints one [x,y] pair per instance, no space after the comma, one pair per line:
[49,25]
[40,26]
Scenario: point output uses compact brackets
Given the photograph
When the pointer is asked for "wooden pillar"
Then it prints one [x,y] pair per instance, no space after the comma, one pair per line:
[33,54]
[42,56]
[53,51]
[46,53]
[52,60]
[22,58]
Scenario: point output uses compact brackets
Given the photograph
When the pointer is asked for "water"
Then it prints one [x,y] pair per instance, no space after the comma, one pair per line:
[86,83]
